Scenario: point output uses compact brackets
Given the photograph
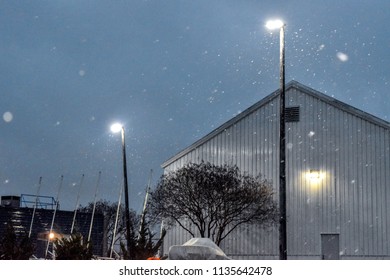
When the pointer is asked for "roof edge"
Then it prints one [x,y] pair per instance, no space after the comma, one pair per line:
[341,105]
[228,123]
[292,84]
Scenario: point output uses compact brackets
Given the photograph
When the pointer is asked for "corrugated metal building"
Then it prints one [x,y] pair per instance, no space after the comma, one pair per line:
[338,176]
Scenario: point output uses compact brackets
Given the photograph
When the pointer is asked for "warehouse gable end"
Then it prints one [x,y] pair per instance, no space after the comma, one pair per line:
[337,176]
[292,85]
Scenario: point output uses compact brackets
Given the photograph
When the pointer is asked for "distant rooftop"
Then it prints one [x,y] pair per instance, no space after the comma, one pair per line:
[29,201]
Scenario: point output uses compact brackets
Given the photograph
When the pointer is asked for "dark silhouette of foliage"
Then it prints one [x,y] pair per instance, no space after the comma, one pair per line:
[214,200]
[143,246]
[109,210]
[14,248]
[142,239]
[73,248]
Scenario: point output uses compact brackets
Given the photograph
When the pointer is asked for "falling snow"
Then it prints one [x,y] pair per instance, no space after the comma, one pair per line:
[342,57]
[170,74]
[8,117]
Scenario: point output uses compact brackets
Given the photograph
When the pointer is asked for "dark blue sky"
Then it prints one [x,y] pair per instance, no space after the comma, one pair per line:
[170,71]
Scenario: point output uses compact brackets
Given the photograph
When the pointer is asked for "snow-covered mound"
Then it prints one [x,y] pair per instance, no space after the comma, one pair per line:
[197,249]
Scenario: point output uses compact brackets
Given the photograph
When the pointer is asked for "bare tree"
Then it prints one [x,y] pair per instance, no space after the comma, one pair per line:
[215,199]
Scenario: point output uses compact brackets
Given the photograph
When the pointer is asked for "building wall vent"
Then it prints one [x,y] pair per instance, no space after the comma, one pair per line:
[292,114]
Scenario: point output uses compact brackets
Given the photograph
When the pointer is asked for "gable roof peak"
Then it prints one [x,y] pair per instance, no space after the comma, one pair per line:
[289,86]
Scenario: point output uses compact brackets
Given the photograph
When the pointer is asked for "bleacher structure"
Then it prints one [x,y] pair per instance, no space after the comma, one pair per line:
[33,215]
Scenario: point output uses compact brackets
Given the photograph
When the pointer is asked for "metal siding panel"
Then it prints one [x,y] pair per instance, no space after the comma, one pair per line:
[354,213]
[234,157]
[342,177]
[375,189]
[297,160]
[242,147]
[311,194]
[251,149]
[387,191]
[214,144]
[339,190]
[229,146]
[382,195]
[237,143]
[220,148]
[262,160]
[363,207]
[255,143]
[206,151]
[242,144]
[346,149]
[370,182]
[212,150]
[358,174]
[384,210]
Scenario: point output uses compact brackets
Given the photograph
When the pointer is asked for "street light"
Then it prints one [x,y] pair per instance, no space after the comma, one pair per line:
[115,128]
[272,25]
[51,236]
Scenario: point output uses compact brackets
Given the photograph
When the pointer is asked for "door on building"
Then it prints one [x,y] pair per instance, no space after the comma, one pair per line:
[330,246]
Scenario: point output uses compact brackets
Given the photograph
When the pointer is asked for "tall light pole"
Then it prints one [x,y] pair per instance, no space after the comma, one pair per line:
[274,25]
[120,128]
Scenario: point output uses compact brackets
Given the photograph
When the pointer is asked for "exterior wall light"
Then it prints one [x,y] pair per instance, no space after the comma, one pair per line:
[315,176]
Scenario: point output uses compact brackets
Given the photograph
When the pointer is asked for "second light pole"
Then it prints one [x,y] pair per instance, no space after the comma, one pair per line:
[120,128]
[272,25]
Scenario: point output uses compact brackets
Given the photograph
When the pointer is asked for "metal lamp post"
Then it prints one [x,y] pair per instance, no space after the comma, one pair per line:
[116,128]
[272,25]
